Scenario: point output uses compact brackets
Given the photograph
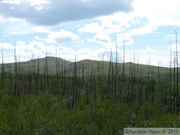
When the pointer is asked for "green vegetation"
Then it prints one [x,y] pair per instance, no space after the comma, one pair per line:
[58,65]
[45,114]
[54,96]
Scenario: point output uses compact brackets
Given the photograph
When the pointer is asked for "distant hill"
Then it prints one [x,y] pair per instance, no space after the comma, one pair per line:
[54,65]
[41,65]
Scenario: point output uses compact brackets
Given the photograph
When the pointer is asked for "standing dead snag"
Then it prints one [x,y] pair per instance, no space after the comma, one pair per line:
[2,71]
[15,72]
[177,80]
[123,75]
[170,84]
[74,90]
[174,88]
[115,76]
[109,90]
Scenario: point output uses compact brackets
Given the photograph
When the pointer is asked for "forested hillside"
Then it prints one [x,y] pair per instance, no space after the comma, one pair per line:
[54,96]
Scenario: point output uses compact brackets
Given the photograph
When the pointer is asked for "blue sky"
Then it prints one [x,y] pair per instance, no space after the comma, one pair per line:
[89,29]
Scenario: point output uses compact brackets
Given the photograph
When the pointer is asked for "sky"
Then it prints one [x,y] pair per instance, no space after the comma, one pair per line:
[90,29]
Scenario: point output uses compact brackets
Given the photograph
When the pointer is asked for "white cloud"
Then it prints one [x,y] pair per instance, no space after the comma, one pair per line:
[38,2]
[100,39]
[93,54]
[124,39]
[150,50]
[16,2]
[91,28]
[22,17]
[147,55]
[147,29]
[34,49]
[119,23]
[153,57]
[6,46]
[171,37]
[62,36]
[38,38]
[106,27]
[158,13]
[55,12]
[12,26]
[146,18]
[116,23]
[41,29]
[173,48]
